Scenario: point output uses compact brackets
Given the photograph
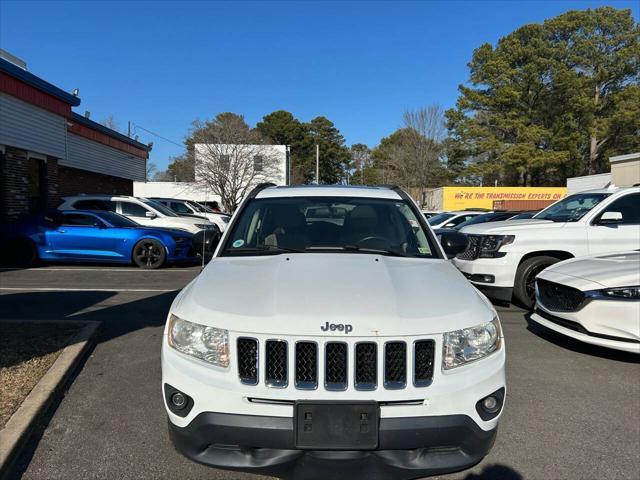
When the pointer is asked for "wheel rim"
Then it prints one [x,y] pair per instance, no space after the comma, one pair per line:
[148,254]
[530,285]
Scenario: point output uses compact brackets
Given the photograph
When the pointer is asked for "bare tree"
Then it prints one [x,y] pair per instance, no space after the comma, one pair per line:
[231,158]
[412,156]
[111,122]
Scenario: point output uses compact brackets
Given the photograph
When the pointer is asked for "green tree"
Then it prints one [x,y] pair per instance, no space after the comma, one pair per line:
[335,157]
[549,101]
[282,128]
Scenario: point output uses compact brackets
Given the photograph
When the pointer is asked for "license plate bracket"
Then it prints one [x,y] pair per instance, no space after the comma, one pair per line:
[336,425]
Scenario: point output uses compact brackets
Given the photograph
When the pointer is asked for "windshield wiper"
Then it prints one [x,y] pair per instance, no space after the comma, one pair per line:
[265,249]
[380,251]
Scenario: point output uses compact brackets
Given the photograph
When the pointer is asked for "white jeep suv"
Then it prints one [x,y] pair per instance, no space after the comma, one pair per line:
[140,210]
[504,258]
[331,334]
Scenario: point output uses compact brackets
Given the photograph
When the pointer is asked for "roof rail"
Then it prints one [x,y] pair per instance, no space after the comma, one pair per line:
[258,188]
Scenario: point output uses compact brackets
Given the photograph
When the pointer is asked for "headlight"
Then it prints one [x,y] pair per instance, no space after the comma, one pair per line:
[623,292]
[470,344]
[490,244]
[205,343]
[205,226]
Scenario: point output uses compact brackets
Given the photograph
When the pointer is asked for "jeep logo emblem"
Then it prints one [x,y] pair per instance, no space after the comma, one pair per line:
[341,327]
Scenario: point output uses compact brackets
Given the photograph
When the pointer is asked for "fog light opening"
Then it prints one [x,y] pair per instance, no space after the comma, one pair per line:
[490,406]
[178,403]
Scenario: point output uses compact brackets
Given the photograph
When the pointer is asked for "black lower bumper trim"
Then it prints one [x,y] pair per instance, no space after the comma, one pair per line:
[502,294]
[408,447]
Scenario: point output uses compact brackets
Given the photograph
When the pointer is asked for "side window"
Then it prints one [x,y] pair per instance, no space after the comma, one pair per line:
[78,220]
[457,221]
[133,209]
[179,207]
[629,207]
[95,204]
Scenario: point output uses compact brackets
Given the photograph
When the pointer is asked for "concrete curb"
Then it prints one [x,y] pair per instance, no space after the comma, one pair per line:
[16,433]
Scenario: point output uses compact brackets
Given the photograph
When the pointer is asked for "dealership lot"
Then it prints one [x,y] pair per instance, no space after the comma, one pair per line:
[571,409]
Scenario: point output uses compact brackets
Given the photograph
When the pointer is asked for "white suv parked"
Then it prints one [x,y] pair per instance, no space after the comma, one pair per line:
[341,339]
[504,258]
[141,210]
[194,209]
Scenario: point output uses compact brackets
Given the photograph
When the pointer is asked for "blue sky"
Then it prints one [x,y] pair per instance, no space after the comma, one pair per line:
[162,64]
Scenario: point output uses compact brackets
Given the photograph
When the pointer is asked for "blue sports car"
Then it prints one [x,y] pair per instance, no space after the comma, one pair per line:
[94,236]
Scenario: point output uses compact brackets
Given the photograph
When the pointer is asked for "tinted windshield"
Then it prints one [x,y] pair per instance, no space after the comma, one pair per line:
[572,208]
[118,220]
[329,224]
[438,219]
[160,207]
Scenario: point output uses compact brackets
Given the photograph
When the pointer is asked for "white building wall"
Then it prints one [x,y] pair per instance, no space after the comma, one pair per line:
[180,190]
[587,182]
[279,176]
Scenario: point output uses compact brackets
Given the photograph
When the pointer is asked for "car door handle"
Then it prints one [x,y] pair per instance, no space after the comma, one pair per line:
[62,231]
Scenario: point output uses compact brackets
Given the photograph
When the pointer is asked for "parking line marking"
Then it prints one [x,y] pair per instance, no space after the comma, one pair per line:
[54,289]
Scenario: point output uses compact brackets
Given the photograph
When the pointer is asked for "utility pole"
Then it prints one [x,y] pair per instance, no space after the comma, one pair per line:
[317,164]
[129,129]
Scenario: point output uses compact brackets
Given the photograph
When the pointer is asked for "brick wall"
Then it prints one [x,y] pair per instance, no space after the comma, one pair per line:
[14,188]
[72,181]
[52,183]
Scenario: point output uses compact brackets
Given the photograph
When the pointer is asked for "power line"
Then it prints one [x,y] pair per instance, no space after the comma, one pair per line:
[135,126]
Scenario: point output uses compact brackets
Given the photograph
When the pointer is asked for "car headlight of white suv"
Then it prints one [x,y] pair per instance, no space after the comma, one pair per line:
[470,344]
[208,344]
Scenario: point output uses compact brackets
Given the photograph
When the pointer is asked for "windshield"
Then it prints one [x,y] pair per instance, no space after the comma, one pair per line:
[197,207]
[160,208]
[329,224]
[572,208]
[117,220]
[441,217]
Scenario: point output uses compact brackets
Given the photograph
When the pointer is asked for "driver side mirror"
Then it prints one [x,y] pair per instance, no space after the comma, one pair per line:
[609,218]
[150,215]
[453,243]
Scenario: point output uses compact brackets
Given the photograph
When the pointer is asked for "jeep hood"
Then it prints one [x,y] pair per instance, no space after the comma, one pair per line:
[296,294]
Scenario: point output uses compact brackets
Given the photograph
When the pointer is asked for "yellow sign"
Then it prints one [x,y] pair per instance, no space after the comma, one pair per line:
[459,198]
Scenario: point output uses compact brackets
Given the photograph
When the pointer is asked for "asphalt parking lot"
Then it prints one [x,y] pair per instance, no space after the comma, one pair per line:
[571,412]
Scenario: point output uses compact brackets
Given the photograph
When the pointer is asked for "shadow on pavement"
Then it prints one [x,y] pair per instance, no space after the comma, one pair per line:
[118,319]
[577,346]
[495,472]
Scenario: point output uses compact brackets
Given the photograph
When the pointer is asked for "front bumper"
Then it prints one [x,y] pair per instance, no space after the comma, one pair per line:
[407,447]
[495,277]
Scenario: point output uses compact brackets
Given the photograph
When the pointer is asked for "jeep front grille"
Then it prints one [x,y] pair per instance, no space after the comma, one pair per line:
[335,366]
[276,360]
[248,360]
[329,364]
[366,365]
[306,365]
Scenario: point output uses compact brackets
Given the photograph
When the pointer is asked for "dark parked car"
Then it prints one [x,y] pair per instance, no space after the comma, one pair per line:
[93,236]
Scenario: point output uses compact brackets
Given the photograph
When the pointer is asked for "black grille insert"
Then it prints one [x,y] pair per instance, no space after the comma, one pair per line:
[423,362]
[306,365]
[335,366]
[366,366]
[559,298]
[248,360]
[276,363]
[395,365]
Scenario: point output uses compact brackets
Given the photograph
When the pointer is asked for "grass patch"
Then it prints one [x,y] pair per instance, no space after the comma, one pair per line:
[27,350]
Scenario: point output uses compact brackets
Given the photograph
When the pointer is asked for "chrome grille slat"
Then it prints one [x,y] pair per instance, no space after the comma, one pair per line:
[335,366]
[248,360]
[395,365]
[276,363]
[366,366]
[306,365]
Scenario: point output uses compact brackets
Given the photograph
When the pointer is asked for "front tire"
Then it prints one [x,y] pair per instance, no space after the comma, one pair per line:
[149,254]
[524,288]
